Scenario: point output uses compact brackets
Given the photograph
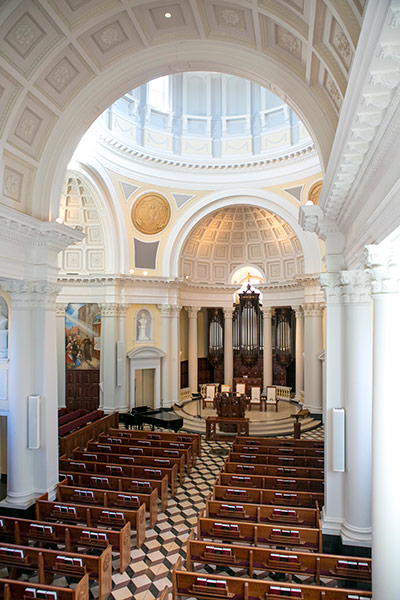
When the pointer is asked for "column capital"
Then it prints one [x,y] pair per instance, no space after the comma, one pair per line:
[383,267]
[109,309]
[332,286]
[313,309]
[356,286]
[192,311]
[175,310]
[31,294]
[298,309]
[121,309]
[165,310]
[228,312]
[61,307]
[267,312]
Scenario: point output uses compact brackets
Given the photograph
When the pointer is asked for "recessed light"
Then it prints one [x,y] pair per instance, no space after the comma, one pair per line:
[309,203]
[144,272]
[131,271]
[167,15]
[59,220]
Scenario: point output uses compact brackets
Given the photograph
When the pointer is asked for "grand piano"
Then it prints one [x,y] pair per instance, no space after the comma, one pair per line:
[162,417]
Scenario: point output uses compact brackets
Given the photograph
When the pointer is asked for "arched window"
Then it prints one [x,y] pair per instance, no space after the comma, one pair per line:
[158,94]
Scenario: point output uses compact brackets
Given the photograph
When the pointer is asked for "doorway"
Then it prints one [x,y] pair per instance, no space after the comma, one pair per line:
[144,387]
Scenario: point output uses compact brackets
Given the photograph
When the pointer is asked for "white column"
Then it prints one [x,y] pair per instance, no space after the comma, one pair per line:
[121,395]
[332,512]
[299,351]
[312,364]
[267,343]
[384,267]
[175,363]
[108,356]
[165,313]
[60,326]
[33,371]
[228,346]
[357,349]
[193,360]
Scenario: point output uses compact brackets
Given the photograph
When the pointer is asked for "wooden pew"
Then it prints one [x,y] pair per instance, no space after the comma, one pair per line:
[81,436]
[129,459]
[122,484]
[287,461]
[273,470]
[279,561]
[192,438]
[24,590]
[92,515]
[187,583]
[271,483]
[262,513]
[136,450]
[145,443]
[278,450]
[121,470]
[49,562]
[80,421]
[23,531]
[264,496]
[262,441]
[66,493]
[245,532]
[71,416]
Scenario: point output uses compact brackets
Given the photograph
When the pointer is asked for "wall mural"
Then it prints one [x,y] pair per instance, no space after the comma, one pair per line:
[82,336]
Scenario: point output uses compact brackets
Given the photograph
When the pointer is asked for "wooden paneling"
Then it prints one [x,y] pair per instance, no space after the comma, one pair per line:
[82,389]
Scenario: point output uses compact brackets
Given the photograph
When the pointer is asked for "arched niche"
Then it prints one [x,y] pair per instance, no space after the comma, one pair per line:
[146,357]
[144,325]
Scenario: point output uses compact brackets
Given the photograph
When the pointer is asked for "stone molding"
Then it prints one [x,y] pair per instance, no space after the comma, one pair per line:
[356,286]
[383,268]
[31,294]
[313,309]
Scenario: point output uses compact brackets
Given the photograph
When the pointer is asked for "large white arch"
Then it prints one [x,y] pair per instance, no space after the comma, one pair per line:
[262,199]
[194,55]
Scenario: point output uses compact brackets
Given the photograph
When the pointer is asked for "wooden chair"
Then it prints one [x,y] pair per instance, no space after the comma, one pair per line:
[209,397]
[240,388]
[255,397]
[272,400]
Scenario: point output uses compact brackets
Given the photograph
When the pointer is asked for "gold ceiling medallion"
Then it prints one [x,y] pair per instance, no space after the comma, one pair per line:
[315,192]
[151,213]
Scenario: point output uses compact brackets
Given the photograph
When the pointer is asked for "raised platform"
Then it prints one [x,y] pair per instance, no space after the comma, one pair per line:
[268,423]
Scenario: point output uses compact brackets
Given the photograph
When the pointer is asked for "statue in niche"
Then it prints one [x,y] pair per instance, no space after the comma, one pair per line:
[142,335]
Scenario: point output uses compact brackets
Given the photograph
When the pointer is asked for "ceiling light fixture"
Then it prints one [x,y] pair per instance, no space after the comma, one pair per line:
[131,271]
[168,15]
[144,272]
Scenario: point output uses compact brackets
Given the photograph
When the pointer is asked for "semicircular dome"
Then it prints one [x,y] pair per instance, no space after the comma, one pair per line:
[234,237]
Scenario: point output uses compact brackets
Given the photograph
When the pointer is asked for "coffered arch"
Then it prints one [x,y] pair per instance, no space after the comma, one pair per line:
[59,76]
[305,251]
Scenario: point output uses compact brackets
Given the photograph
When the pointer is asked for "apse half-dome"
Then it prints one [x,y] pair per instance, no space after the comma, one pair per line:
[233,237]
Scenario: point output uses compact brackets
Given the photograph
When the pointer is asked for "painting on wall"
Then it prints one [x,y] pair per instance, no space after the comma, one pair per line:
[82,336]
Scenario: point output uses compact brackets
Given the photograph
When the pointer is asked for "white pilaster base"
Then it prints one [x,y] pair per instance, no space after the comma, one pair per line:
[356,536]
[329,525]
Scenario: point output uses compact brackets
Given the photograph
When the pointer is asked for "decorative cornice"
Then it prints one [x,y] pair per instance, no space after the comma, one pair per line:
[25,230]
[31,294]
[109,141]
[374,121]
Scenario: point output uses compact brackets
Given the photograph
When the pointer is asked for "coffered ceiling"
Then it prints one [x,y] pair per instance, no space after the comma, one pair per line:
[63,61]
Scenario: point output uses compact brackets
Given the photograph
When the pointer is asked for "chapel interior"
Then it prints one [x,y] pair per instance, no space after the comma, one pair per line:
[200,219]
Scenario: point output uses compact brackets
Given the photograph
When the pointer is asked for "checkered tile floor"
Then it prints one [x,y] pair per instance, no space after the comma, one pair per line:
[151,566]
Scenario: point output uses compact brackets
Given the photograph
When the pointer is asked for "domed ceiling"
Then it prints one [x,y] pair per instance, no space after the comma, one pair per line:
[242,235]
